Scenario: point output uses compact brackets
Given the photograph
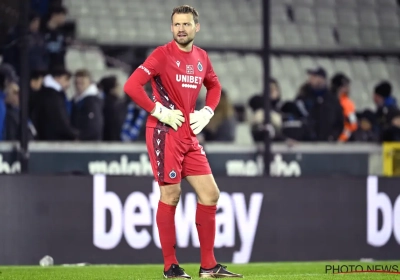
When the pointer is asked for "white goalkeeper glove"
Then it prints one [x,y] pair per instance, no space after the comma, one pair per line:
[173,118]
[199,119]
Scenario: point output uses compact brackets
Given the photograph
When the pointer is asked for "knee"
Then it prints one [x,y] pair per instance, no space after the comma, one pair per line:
[210,198]
[214,197]
[170,194]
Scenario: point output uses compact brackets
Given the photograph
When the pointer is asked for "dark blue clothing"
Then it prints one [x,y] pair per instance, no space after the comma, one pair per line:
[40,6]
[390,102]
[38,56]
[3,111]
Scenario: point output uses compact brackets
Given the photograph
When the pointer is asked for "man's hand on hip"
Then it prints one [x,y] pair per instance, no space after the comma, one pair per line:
[199,119]
[173,118]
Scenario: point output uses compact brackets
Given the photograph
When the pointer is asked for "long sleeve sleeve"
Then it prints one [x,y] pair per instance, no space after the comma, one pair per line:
[134,85]
[213,87]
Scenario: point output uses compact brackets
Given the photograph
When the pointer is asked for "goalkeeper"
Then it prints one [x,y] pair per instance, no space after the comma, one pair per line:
[177,71]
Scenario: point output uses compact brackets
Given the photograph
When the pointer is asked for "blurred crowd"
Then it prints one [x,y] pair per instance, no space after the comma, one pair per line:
[322,109]
[96,111]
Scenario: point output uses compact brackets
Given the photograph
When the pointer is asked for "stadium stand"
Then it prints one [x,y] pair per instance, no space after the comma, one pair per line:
[358,24]
[232,32]
[296,23]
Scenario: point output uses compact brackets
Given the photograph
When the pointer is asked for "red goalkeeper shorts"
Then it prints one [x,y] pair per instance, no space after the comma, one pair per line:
[172,160]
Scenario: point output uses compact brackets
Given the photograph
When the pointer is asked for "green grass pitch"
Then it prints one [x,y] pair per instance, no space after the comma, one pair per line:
[293,271]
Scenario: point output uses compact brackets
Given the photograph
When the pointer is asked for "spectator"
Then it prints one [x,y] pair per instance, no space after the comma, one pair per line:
[55,39]
[38,57]
[11,120]
[36,83]
[8,83]
[365,131]
[385,104]
[2,104]
[51,113]
[325,115]
[12,123]
[256,103]
[134,120]
[340,86]
[87,108]
[392,133]
[115,108]
[222,126]
[133,128]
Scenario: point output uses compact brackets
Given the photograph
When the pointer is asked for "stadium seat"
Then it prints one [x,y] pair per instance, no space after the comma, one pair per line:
[359,24]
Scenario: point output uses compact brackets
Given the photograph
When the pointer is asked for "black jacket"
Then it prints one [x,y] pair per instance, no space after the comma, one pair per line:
[12,125]
[50,116]
[115,110]
[87,117]
[325,114]
[391,134]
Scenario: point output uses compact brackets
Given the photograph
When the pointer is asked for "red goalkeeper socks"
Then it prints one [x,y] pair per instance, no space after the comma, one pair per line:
[205,223]
[166,229]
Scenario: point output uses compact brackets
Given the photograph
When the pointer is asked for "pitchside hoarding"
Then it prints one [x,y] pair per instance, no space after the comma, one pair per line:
[112,219]
[248,164]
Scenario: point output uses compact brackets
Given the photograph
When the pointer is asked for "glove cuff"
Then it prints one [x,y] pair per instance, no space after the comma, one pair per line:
[209,110]
[157,110]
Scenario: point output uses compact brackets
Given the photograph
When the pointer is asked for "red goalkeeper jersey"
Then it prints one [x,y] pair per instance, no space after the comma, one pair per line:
[177,77]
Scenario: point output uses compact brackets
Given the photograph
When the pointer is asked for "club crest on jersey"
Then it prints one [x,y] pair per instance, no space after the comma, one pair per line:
[172,174]
[199,66]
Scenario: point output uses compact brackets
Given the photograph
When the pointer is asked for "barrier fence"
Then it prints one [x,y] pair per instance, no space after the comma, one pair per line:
[100,219]
[316,159]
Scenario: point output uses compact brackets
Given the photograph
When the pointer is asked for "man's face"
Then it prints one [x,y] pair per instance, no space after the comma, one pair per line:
[396,121]
[116,91]
[378,100]
[365,125]
[81,84]
[34,25]
[184,28]
[317,81]
[60,19]
[64,81]
[345,89]
[12,94]
[36,84]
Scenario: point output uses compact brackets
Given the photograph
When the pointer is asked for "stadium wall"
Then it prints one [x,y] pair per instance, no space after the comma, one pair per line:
[316,159]
[106,220]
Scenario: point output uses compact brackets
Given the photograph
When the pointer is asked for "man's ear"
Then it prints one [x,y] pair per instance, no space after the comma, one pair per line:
[172,30]
[197,27]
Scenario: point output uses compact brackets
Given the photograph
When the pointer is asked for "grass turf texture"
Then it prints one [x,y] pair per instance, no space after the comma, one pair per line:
[295,271]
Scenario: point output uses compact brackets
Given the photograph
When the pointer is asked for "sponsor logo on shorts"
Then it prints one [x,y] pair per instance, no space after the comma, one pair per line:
[172,174]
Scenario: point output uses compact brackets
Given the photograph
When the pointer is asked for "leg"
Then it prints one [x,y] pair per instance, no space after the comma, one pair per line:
[207,193]
[197,171]
[166,164]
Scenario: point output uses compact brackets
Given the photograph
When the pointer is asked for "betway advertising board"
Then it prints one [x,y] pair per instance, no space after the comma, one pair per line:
[99,219]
